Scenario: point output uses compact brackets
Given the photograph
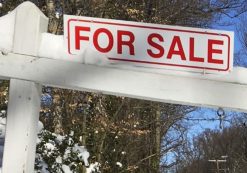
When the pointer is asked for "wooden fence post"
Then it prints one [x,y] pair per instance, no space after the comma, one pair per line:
[24,96]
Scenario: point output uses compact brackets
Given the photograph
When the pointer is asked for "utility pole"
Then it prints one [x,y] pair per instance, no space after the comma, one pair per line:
[218,165]
[217,162]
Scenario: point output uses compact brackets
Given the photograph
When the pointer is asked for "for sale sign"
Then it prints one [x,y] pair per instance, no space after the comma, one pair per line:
[151,45]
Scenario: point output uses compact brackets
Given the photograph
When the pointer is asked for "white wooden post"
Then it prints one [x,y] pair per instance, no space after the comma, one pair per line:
[24,97]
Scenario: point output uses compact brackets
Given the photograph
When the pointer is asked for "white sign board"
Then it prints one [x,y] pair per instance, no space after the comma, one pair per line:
[151,45]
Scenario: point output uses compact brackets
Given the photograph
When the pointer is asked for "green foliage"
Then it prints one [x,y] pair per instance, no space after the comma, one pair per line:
[4,86]
[55,151]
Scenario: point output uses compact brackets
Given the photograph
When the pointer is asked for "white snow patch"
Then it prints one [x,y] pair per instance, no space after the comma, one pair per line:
[50,149]
[66,169]
[40,126]
[72,133]
[70,141]
[57,14]
[83,154]
[2,127]
[59,159]
[53,46]
[93,57]
[49,146]
[119,164]
[7,24]
[66,153]
[3,111]
[93,167]
[123,152]
[59,138]
[38,141]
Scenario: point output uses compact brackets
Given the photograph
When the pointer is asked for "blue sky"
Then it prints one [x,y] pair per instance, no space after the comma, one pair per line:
[230,24]
[209,114]
[199,127]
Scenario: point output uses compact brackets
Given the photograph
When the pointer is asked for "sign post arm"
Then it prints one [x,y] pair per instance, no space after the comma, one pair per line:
[24,97]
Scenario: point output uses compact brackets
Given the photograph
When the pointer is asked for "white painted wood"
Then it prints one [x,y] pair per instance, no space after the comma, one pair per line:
[3,78]
[21,129]
[29,23]
[24,96]
[228,91]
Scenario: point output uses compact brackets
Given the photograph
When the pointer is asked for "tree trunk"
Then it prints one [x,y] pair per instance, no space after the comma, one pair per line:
[157,137]
[53,24]
[84,128]
[50,8]
[58,128]
[148,9]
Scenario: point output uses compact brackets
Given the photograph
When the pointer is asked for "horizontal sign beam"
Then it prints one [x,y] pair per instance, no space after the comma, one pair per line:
[229,92]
